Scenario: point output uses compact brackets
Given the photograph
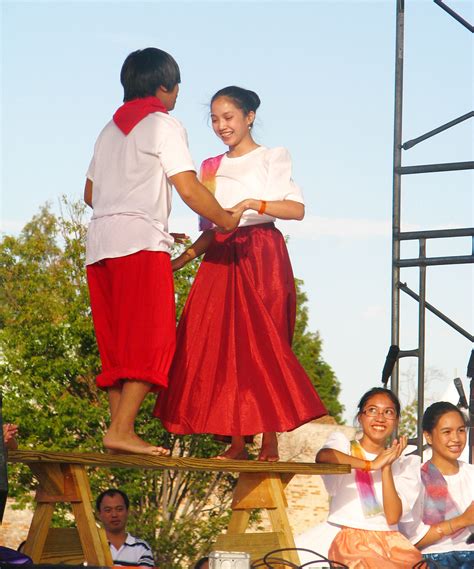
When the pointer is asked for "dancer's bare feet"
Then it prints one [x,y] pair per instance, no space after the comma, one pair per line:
[233,454]
[131,443]
[269,450]
[236,451]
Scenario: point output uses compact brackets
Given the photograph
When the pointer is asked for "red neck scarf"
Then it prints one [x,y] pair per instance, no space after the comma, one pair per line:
[132,112]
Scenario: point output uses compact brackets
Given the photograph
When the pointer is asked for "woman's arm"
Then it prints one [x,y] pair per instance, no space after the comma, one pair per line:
[447,528]
[392,505]
[200,246]
[88,192]
[332,456]
[281,209]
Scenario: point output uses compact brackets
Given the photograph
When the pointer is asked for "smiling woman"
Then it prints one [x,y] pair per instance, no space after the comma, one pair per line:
[443,516]
[368,503]
[243,300]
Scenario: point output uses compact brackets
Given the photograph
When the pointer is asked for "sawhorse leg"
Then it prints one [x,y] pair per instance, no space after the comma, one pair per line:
[259,491]
[62,483]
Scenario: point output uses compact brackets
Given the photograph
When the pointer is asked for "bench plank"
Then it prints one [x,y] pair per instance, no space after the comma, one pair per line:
[172,463]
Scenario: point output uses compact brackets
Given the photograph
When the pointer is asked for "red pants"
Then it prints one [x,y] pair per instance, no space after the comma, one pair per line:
[132,301]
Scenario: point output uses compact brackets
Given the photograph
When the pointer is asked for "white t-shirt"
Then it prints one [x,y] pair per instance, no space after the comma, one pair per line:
[131,194]
[133,552]
[263,173]
[345,506]
[461,490]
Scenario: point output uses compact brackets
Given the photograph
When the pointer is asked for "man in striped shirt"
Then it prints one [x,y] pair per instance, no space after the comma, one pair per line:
[127,550]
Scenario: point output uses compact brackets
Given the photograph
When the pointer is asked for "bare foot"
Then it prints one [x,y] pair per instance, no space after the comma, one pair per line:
[131,443]
[268,457]
[269,450]
[233,454]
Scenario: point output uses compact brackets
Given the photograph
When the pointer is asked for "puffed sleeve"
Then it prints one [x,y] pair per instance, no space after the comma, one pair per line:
[336,441]
[280,184]
[406,474]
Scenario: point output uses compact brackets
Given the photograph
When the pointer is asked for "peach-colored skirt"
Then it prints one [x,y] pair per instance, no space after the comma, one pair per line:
[366,549]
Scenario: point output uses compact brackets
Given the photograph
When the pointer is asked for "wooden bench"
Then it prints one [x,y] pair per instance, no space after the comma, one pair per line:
[62,478]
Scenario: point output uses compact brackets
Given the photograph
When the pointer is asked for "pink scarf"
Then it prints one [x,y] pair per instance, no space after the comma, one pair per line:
[208,178]
[365,485]
[438,504]
[132,112]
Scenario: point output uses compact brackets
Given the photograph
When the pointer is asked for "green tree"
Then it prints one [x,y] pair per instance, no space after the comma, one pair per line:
[48,363]
[308,348]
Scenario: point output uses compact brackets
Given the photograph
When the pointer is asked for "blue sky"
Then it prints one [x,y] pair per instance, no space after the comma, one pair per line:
[325,73]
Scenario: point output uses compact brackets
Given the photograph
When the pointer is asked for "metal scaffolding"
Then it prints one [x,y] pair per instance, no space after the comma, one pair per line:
[422,261]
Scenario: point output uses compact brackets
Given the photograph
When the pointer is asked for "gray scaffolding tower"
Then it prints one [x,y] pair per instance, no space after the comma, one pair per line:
[422,261]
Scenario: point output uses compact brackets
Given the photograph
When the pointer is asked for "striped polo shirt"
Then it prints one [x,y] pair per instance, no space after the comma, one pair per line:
[134,551]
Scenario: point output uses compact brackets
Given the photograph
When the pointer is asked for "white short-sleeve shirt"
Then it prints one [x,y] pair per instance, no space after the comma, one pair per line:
[345,506]
[262,174]
[131,194]
[461,490]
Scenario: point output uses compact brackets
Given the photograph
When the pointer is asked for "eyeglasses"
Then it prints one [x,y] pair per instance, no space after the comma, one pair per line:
[389,413]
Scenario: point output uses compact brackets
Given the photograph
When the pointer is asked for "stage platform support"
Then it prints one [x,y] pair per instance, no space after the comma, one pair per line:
[62,478]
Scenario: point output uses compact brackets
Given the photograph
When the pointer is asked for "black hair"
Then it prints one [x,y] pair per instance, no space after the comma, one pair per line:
[243,99]
[145,70]
[111,492]
[379,391]
[201,562]
[434,413]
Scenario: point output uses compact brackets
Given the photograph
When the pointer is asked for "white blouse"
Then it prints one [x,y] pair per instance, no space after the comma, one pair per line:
[262,174]
[345,506]
[461,490]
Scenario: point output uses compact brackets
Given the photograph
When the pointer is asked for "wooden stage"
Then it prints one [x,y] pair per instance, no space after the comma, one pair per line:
[63,478]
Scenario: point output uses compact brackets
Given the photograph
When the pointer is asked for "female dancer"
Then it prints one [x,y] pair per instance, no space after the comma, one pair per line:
[368,503]
[234,373]
[443,516]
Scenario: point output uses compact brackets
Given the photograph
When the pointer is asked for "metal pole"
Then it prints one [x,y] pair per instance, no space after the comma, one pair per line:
[421,349]
[396,200]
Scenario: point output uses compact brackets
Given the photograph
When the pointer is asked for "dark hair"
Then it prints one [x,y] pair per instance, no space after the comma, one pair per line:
[111,492]
[145,70]
[201,562]
[378,391]
[243,99]
[434,413]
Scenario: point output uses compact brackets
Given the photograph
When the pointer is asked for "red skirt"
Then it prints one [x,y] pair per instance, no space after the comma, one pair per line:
[234,372]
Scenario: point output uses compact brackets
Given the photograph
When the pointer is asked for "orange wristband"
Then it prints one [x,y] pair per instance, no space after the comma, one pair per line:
[263,207]
[367,465]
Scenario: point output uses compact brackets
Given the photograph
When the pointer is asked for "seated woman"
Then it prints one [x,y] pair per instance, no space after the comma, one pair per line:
[368,503]
[443,517]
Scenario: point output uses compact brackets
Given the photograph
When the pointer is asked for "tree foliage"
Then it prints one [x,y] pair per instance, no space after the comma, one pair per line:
[308,348]
[48,364]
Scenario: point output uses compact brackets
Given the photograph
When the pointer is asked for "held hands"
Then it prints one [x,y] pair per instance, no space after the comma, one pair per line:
[388,456]
[242,206]
[180,238]
[235,216]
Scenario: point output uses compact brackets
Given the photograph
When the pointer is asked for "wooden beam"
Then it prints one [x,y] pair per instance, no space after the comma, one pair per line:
[172,463]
